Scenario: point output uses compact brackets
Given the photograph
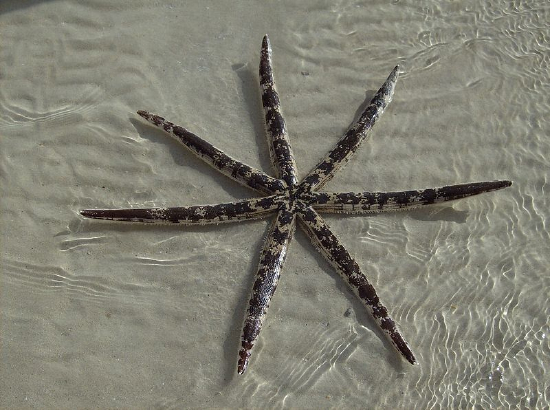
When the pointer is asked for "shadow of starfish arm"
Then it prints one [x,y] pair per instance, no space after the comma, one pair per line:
[353,137]
[192,215]
[371,202]
[272,258]
[279,144]
[331,248]
[215,157]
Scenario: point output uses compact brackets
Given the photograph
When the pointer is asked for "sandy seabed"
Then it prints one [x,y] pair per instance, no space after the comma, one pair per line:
[100,315]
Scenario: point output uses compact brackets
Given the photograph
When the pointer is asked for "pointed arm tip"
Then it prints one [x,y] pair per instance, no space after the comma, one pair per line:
[266,44]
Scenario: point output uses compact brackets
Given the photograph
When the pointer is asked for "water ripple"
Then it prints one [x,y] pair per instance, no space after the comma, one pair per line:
[53,279]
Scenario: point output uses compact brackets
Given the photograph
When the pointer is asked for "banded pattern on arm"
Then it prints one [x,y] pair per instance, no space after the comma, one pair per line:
[192,215]
[331,248]
[351,140]
[371,202]
[272,258]
[228,166]
[279,144]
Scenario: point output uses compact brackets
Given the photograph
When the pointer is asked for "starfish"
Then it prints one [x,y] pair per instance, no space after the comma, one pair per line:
[292,202]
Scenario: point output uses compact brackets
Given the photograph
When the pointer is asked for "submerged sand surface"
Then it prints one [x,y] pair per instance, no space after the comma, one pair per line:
[101,315]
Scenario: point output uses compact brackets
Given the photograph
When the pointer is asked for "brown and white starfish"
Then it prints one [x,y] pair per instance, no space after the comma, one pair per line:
[292,201]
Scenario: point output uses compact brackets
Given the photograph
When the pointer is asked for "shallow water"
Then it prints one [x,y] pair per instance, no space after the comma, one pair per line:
[103,315]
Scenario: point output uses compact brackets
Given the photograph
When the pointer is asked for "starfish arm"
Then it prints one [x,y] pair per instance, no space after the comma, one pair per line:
[272,257]
[356,134]
[279,144]
[213,156]
[331,248]
[370,202]
[191,215]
